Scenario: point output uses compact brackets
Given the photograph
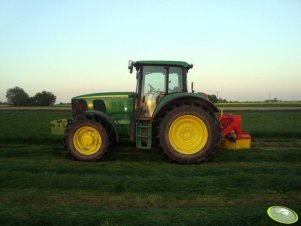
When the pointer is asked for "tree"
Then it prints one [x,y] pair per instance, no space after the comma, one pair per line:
[213,98]
[17,96]
[44,99]
[220,100]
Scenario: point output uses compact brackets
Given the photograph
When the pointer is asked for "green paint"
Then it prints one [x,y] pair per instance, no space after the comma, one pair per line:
[162,62]
[119,107]
[174,96]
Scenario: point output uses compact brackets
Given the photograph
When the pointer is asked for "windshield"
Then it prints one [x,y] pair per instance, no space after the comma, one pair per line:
[154,80]
[157,81]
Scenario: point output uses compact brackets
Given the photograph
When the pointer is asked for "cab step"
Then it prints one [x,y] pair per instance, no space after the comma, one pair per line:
[144,134]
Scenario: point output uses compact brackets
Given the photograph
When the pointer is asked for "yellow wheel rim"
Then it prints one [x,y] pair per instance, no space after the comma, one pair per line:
[87,140]
[188,134]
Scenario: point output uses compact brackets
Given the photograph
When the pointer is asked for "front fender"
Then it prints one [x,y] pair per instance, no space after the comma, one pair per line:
[100,116]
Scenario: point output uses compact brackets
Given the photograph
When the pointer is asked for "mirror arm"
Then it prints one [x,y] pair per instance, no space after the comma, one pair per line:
[192,90]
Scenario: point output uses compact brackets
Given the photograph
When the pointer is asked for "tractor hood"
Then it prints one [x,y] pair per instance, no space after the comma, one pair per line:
[115,108]
[93,96]
[112,103]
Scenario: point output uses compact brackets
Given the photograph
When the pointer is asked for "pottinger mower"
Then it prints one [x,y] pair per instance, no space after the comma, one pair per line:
[186,126]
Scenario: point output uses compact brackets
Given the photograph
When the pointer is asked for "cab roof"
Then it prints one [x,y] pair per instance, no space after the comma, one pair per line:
[163,62]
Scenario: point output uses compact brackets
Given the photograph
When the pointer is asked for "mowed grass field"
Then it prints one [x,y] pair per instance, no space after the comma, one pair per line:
[260,104]
[42,185]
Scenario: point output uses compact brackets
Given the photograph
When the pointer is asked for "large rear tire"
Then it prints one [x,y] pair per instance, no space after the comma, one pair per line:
[188,134]
[86,140]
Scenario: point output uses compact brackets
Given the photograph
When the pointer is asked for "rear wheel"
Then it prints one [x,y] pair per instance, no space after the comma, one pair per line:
[188,134]
[86,140]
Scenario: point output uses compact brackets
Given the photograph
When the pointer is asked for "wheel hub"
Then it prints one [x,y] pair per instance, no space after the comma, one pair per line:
[87,140]
[188,134]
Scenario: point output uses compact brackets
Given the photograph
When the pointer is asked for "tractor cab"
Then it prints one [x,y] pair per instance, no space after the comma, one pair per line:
[155,80]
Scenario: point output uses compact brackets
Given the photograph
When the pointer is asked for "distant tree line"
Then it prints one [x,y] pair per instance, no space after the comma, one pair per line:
[273,100]
[18,97]
[213,98]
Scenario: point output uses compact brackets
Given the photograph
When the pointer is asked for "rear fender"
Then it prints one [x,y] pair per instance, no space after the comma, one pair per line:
[179,98]
[102,117]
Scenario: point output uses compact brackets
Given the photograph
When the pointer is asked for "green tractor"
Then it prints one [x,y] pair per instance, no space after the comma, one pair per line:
[161,112]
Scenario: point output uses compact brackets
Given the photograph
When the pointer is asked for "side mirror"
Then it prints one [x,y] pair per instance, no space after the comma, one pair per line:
[192,90]
[131,66]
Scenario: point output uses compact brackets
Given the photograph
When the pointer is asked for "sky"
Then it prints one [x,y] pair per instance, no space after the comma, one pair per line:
[241,50]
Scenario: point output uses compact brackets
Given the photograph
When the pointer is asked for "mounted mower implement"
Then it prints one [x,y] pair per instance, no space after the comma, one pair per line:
[233,137]
[187,127]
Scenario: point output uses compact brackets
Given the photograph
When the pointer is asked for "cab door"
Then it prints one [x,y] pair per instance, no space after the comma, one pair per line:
[153,86]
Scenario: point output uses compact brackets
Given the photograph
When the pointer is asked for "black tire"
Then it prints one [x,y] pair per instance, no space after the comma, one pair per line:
[65,135]
[193,133]
[86,140]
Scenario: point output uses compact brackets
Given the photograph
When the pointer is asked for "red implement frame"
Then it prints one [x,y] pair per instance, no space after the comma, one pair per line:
[233,136]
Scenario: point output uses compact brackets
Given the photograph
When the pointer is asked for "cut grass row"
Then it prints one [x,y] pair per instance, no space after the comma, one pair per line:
[117,175]
[40,182]
[87,215]
[41,185]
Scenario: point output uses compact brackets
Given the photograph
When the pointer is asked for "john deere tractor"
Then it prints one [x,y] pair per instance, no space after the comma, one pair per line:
[161,112]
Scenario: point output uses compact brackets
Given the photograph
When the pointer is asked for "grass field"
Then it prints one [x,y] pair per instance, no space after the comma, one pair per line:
[260,104]
[41,185]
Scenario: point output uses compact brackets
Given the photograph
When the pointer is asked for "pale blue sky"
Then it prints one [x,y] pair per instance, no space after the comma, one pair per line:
[244,50]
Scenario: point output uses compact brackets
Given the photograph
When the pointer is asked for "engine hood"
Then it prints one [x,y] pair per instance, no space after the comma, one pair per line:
[105,95]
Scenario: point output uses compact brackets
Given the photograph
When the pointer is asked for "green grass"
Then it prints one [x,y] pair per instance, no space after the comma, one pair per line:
[28,126]
[272,124]
[34,126]
[260,104]
[41,185]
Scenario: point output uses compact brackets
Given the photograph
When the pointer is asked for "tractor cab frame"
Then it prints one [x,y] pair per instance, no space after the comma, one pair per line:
[155,80]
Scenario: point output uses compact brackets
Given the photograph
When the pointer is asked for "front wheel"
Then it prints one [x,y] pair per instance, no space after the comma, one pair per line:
[86,140]
[188,134]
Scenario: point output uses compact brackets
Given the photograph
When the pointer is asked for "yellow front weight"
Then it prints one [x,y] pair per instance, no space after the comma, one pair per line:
[188,134]
[87,140]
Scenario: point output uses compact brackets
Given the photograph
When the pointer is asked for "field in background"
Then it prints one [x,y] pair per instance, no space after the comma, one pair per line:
[41,185]
[260,104]
[228,106]
[59,107]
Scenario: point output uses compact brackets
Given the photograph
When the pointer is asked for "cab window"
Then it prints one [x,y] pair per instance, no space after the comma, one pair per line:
[153,84]
[175,80]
